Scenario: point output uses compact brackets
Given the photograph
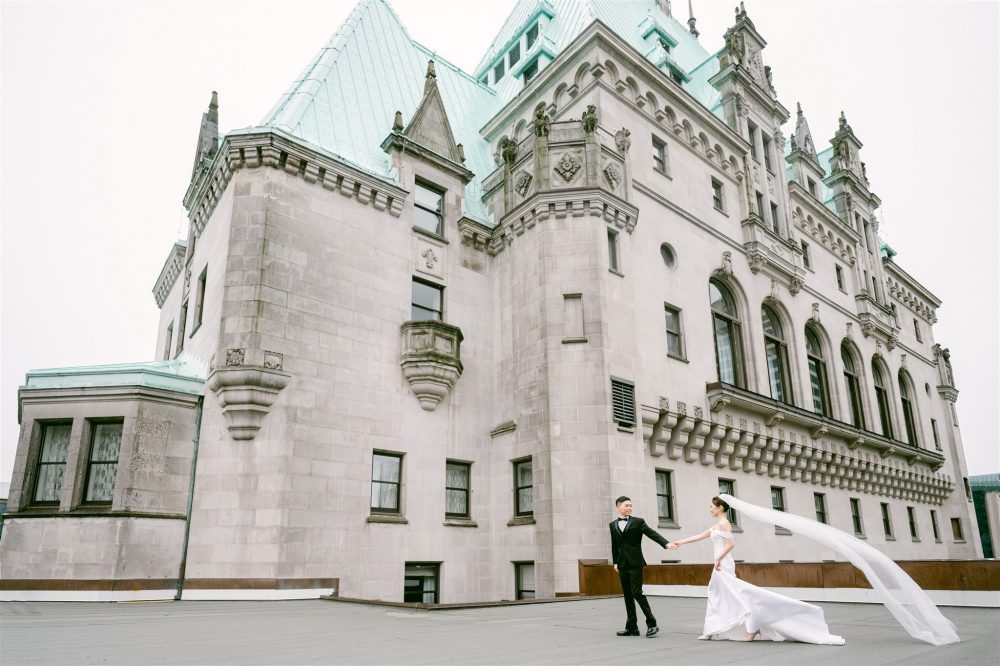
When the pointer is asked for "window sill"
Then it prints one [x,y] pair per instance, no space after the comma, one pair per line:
[194,330]
[663,173]
[616,272]
[890,538]
[521,520]
[858,535]
[668,525]
[781,530]
[938,541]
[430,234]
[682,359]
[915,540]
[959,540]
[573,341]
[383,518]
[625,427]
[721,211]
[97,511]
[842,290]
[460,522]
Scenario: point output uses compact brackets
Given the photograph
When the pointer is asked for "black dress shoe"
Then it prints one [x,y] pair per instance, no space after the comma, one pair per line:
[652,631]
[628,632]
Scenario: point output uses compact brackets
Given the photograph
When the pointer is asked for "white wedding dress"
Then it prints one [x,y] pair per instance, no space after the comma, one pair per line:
[737,609]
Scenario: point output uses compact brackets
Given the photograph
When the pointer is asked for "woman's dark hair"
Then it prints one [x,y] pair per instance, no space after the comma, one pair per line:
[719,503]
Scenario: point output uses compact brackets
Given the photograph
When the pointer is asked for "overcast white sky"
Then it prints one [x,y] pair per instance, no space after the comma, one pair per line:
[101,104]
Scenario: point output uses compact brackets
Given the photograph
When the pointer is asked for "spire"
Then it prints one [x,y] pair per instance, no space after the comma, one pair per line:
[803,137]
[691,20]
[431,78]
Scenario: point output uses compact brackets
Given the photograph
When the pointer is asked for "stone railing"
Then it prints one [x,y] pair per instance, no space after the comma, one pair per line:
[431,359]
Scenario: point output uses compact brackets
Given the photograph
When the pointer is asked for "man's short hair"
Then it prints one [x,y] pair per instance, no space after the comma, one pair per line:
[621,499]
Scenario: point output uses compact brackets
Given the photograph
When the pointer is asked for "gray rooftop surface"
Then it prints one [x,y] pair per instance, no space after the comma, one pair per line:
[571,632]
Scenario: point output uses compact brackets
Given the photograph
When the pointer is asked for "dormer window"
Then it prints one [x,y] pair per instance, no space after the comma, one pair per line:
[811,184]
[428,208]
[665,44]
[498,72]
[530,71]
[531,37]
[678,79]
[514,55]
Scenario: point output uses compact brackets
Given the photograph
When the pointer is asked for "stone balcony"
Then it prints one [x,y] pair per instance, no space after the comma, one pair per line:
[765,436]
[877,320]
[431,359]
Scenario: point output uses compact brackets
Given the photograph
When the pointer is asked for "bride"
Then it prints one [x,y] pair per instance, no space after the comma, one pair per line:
[740,611]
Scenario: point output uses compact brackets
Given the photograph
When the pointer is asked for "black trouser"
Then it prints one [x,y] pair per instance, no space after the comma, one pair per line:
[631,579]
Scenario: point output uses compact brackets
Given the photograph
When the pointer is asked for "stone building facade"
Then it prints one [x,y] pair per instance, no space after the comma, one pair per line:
[428,325]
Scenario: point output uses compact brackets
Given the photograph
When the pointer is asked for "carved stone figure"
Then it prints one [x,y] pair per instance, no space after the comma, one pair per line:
[622,140]
[613,174]
[590,119]
[508,150]
[796,285]
[542,122]
[522,182]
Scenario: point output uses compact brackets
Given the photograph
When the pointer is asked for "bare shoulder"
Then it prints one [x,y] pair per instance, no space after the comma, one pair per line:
[725,526]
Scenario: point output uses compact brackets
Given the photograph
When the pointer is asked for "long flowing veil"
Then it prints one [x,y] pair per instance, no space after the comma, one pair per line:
[909,604]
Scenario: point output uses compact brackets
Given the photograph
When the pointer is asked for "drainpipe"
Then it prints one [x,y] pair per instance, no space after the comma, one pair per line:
[182,571]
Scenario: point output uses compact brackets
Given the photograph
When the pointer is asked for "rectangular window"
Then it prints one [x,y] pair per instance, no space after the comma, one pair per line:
[886,521]
[911,516]
[102,467]
[775,219]
[530,72]
[767,151]
[514,55]
[498,72]
[51,462]
[916,331]
[425,301]
[777,498]
[664,495]
[759,198]
[819,500]
[659,155]
[934,526]
[623,402]
[840,278]
[531,36]
[573,330]
[728,487]
[812,187]
[934,431]
[752,138]
[387,477]
[180,328]
[956,529]
[428,209]
[613,250]
[806,259]
[859,526]
[524,504]
[675,337]
[717,198]
[169,342]
[199,302]
[456,483]
[524,577]
[420,582]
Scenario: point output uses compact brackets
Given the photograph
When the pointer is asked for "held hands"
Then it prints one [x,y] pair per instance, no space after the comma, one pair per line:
[673,545]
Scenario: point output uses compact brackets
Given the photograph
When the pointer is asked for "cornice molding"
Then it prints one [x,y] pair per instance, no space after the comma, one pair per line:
[172,268]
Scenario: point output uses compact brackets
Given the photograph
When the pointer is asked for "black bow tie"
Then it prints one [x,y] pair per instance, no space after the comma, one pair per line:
[625,518]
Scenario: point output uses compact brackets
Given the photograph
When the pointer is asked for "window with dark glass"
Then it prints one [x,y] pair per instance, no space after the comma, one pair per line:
[523,494]
[882,398]
[956,529]
[498,71]
[717,199]
[812,187]
[51,462]
[524,575]
[775,218]
[726,328]
[886,521]
[937,437]
[752,138]
[759,199]
[514,55]
[102,466]
[906,399]
[425,301]
[169,342]
[420,582]
[613,250]
[911,516]
[387,476]
[531,36]
[806,259]
[776,351]
[818,383]
[728,487]
[840,278]
[675,339]
[777,498]
[199,302]
[916,331]
[934,526]
[181,326]
[530,71]
[623,402]
[457,478]
[853,384]
[859,528]
[819,501]
[428,209]
[767,151]
[664,495]
[659,155]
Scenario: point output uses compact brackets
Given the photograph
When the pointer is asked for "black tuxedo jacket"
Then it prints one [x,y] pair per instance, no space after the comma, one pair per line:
[626,547]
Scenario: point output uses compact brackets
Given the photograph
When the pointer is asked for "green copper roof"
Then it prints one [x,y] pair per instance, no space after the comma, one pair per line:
[178,375]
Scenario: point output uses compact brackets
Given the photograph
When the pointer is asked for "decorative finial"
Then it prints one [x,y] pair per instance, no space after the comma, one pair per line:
[213,107]
[691,21]
[461,152]
[397,124]
[430,79]
[798,108]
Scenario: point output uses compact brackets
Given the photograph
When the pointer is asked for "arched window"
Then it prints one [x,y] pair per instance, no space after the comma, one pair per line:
[853,383]
[906,397]
[776,350]
[882,398]
[726,325]
[817,374]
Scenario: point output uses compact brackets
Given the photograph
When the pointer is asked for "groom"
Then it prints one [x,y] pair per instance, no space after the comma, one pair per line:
[626,553]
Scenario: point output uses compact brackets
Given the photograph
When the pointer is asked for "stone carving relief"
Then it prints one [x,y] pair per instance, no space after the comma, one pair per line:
[796,285]
[273,360]
[235,357]
[430,258]
[522,181]
[542,122]
[508,151]
[590,119]
[622,140]
[614,175]
[567,166]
